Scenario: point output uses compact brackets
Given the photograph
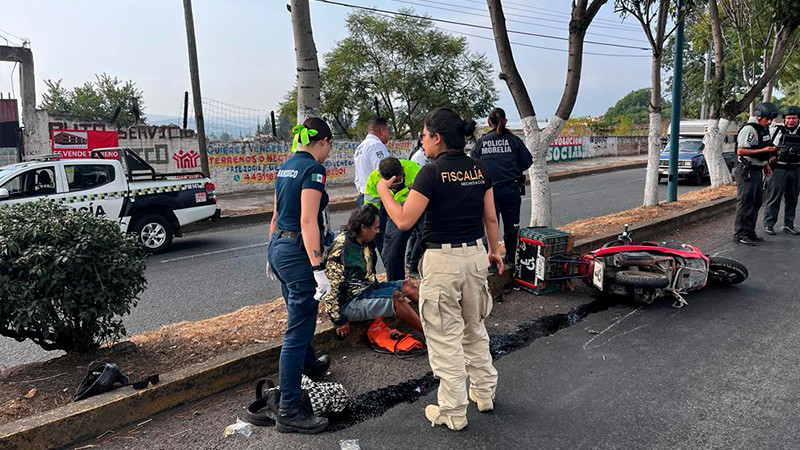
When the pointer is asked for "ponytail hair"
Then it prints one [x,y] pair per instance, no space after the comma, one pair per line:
[497,120]
[451,127]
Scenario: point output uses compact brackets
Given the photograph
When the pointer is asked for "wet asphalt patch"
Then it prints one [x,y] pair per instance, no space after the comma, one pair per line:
[375,403]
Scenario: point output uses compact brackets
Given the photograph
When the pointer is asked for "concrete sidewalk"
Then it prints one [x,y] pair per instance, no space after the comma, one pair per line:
[343,196]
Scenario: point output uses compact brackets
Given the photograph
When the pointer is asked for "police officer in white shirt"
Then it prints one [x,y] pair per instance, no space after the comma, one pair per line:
[370,153]
[367,157]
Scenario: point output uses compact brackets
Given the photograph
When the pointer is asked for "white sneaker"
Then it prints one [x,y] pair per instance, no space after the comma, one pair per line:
[484,404]
[455,423]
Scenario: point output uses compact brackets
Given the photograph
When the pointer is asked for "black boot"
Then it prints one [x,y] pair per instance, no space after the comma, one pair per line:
[318,370]
[299,419]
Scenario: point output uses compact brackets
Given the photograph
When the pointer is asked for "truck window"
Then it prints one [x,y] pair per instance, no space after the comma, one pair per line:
[32,183]
[88,176]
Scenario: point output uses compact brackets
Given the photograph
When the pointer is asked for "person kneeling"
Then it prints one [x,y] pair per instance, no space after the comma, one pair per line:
[356,294]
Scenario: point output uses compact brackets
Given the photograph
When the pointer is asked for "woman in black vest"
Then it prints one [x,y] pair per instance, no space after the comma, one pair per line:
[455,193]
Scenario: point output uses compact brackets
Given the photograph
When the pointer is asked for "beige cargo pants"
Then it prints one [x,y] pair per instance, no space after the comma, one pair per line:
[454,301]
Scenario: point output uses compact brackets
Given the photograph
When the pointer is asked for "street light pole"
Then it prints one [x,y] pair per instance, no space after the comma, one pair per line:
[675,122]
[196,97]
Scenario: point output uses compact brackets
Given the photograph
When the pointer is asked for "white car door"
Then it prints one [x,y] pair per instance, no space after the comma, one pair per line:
[93,185]
[31,185]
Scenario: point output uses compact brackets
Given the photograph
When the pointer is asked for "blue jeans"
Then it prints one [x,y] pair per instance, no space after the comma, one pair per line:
[289,261]
[372,302]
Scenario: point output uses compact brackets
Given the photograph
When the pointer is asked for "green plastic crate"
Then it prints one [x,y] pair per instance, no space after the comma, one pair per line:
[532,268]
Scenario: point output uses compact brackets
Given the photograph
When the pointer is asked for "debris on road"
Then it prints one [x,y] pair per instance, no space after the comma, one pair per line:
[243,428]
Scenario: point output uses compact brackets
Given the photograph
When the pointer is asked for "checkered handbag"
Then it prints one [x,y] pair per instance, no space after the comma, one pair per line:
[326,397]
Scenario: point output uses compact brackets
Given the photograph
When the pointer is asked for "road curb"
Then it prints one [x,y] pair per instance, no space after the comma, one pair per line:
[657,227]
[347,203]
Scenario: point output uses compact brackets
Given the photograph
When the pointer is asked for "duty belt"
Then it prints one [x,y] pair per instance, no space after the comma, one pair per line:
[440,245]
[288,234]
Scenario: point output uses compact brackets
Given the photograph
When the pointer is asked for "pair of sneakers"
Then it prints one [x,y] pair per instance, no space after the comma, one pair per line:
[457,423]
[788,230]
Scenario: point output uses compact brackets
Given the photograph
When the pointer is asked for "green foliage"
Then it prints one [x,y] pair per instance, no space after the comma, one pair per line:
[96,100]
[409,65]
[66,275]
[629,111]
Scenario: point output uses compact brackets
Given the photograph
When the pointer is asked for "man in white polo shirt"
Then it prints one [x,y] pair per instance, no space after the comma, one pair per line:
[367,157]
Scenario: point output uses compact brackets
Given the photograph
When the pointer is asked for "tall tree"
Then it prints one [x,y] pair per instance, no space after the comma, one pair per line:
[536,139]
[652,15]
[758,67]
[307,64]
[97,100]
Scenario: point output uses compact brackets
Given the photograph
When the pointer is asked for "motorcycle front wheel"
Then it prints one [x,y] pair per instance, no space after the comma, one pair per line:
[722,270]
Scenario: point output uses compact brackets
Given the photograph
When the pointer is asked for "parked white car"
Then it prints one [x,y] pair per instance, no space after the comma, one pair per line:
[153,206]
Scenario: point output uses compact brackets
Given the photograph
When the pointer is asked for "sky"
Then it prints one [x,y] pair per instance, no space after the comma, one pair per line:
[246,50]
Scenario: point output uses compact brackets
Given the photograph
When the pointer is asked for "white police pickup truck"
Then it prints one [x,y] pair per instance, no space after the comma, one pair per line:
[153,206]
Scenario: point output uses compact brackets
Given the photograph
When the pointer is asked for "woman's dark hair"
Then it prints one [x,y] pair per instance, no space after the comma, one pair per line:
[450,126]
[364,216]
[323,130]
[497,120]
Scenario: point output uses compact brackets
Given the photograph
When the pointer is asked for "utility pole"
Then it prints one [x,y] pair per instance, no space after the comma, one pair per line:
[377,108]
[274,127]
[675,121]
[704,105]
[196,97]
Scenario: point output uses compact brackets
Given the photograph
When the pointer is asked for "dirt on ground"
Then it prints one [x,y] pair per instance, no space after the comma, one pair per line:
[33,388]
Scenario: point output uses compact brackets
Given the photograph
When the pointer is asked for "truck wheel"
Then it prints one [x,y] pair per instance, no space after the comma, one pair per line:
[154,232]
[642,279]
[722,270]
[699,177]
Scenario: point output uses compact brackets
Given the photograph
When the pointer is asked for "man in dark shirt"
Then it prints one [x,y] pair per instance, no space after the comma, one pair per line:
[506,158]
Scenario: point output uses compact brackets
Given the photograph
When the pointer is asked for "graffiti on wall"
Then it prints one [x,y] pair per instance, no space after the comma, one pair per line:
[565,148]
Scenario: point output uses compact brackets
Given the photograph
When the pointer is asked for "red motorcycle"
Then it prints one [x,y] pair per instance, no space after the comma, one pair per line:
[651,270]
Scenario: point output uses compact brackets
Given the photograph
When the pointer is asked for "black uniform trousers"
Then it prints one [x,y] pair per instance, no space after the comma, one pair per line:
[415,247]
[784,184]
[507,202]
[750,196]
[394,250]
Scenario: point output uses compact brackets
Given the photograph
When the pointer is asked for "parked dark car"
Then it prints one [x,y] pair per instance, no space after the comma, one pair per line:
[691,162]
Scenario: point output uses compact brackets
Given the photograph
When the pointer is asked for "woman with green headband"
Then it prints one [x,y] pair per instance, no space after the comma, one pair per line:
[295,258]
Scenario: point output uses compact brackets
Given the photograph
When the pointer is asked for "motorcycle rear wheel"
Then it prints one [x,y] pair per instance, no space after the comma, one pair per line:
[642,279]
[722,270]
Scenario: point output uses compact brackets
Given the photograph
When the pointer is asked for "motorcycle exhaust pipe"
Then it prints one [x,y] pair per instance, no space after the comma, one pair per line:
[621,260]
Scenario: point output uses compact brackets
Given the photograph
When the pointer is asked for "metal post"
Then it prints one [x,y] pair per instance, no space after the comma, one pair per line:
[274,127]
[196,97]
[675,121]
[185,110]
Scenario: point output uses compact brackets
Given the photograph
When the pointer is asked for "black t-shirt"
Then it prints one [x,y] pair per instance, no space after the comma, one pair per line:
[455,185]
[505,156]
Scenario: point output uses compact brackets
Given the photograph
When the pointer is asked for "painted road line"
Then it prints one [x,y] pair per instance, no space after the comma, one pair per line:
[214,252]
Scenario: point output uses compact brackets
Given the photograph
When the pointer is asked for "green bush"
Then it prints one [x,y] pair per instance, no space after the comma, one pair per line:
[66,276]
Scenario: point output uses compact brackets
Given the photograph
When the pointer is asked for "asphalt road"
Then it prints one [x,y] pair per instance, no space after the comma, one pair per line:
[213,272]
[724,372]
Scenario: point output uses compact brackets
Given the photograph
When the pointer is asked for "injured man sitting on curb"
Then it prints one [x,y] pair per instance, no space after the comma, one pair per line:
[356,294]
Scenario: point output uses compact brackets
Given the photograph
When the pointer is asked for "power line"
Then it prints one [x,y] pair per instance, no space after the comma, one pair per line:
[526,22]
[560,14]
[452,22]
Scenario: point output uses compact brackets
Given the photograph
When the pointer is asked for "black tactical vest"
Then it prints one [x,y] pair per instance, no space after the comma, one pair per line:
[764,140]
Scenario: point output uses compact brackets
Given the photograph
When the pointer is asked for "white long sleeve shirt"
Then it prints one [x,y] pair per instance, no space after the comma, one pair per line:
[367,157]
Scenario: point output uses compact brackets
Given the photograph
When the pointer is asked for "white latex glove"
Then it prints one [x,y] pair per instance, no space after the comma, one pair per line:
[270,273]
[323,285]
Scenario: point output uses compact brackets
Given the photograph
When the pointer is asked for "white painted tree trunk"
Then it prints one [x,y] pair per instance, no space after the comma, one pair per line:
[714,141]
[653,160]
[308,87]
[538,143]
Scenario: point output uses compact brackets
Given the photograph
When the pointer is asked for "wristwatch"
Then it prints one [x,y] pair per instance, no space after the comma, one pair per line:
[320,266]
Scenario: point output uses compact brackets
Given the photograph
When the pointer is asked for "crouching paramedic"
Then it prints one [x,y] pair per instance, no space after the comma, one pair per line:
[356,294]
[455,193]
[395,240]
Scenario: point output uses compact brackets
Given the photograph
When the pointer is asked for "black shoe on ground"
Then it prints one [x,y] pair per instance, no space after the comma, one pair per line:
[769,230]
[745,241]
[318,370]
[299,420]
[790,230]
[414,274]
[756,238]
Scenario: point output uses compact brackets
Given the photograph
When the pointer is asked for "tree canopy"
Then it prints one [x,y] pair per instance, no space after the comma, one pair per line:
[409,65]
[96,100]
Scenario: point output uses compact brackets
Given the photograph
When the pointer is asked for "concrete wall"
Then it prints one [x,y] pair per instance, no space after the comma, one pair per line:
[251,166]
